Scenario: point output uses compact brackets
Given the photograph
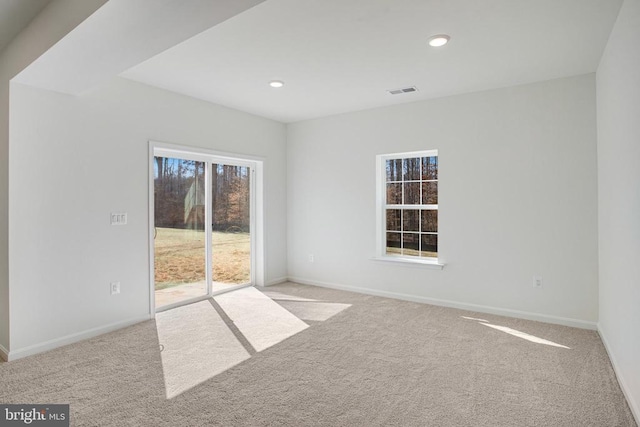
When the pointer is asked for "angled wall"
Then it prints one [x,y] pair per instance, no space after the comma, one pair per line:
[618,88]
[54,22]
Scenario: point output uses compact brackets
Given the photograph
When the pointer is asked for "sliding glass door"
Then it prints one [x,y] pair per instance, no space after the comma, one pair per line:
[180,250]
[203,216]
[231,225]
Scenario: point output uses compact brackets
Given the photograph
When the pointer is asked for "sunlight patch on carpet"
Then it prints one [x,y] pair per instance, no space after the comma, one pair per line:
[525,336]
[279,296]
[201,340]
[516,333]
[475,318]
[261,320]
[196,345]
[314,311]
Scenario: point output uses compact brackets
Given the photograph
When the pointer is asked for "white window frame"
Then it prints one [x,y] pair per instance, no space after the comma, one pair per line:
[381,181]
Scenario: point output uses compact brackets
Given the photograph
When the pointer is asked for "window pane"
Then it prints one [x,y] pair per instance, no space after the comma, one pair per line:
[394,170]
[410,220]
[411,193]
[410,244]
[179,233]
[429,245]
[411,169]
[430,193]
[393,219]
[430,220]
[430,167]
[394,243]
[231,225]
[394,194]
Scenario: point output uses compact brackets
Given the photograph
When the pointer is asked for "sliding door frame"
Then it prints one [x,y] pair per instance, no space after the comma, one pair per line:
[209,157]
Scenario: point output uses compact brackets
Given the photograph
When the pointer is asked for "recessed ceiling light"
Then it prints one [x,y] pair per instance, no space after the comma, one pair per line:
[438,40]
[276,83]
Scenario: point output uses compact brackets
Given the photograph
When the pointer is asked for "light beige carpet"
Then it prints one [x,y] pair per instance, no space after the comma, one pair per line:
[363,361]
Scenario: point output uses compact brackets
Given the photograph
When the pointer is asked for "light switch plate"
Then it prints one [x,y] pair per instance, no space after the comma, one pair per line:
[119,218]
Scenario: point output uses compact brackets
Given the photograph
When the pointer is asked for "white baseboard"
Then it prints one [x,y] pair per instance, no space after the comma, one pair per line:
[633,405]
[73,338]
[576,323]
[4,353]
[276,281]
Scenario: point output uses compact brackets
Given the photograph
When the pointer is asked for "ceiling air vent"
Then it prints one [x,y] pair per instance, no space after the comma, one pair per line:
[403,90]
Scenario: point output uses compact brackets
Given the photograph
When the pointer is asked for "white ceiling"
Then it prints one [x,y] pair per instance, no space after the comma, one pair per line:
[121,34]
[342,55]
[15,15]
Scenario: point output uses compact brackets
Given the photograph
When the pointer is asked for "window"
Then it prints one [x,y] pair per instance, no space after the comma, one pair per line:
[408,206]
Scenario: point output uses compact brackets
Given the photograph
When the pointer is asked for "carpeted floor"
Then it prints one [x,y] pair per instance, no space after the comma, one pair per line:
[306,356]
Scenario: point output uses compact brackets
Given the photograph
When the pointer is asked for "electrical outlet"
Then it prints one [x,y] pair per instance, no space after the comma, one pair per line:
[311,258]
[537,282]
[115,288]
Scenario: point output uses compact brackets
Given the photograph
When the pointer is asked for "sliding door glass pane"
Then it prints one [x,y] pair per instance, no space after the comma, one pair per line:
[231,225]
[179,233]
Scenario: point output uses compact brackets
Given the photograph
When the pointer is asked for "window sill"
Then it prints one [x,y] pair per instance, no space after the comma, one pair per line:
[415,262]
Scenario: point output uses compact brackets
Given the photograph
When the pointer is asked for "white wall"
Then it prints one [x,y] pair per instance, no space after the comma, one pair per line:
[517,199]
[76,159]
[618,89]
[4,215]
[55,20]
